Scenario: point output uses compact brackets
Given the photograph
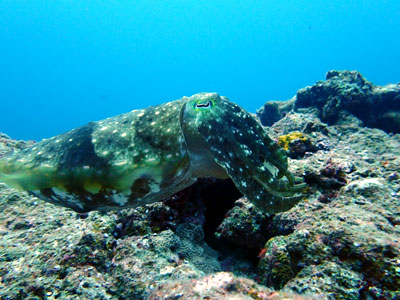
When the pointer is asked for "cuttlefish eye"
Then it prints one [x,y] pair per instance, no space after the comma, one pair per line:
[203,104]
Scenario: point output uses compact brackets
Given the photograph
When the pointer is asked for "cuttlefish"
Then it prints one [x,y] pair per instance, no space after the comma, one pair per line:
[148,155]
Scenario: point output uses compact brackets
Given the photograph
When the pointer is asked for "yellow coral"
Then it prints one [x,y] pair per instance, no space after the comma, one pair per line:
[284,140]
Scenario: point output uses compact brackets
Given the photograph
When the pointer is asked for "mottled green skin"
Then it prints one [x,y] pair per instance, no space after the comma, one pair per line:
[148,155]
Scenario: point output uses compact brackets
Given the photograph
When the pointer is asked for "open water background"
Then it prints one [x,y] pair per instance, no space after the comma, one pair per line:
[67,62]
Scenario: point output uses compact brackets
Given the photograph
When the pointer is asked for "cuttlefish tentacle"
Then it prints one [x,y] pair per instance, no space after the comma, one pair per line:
[148,155]
[254,162]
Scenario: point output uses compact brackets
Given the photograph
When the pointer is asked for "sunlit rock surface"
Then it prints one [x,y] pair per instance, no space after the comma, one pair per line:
[208,242]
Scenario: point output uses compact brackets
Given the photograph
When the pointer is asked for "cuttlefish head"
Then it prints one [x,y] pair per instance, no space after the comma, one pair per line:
[240,146]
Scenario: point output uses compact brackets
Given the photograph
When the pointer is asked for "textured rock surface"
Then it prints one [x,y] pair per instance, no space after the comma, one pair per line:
[245,225]
[341,242]
[342,93]
[273,111]
[220,286]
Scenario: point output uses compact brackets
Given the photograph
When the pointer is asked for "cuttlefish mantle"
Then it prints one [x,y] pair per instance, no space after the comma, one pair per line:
[147,155]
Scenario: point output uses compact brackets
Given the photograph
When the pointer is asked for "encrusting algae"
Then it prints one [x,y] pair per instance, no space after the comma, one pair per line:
[285,140]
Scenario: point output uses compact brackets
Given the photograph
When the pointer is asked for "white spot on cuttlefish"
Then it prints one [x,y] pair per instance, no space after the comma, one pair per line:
[68,197]
[120,199]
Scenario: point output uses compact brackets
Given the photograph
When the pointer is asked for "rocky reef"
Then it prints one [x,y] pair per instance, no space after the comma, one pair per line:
[343,93]
[208,242]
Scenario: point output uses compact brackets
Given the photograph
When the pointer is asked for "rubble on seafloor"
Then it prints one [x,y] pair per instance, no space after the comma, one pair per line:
[208,242]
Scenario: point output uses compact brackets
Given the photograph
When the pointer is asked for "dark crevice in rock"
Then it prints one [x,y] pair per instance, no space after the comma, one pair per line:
[232,255]
[219,197]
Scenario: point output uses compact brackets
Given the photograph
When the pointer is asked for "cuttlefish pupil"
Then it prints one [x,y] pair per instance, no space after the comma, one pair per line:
[148,155]
[203,105]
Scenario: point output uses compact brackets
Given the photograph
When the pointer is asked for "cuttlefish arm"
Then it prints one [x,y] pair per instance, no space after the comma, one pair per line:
[255,163]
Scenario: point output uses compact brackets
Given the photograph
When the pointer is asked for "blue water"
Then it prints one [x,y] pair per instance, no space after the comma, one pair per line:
[67,62]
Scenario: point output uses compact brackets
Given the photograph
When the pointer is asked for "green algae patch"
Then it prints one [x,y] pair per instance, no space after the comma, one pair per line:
[275,263]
